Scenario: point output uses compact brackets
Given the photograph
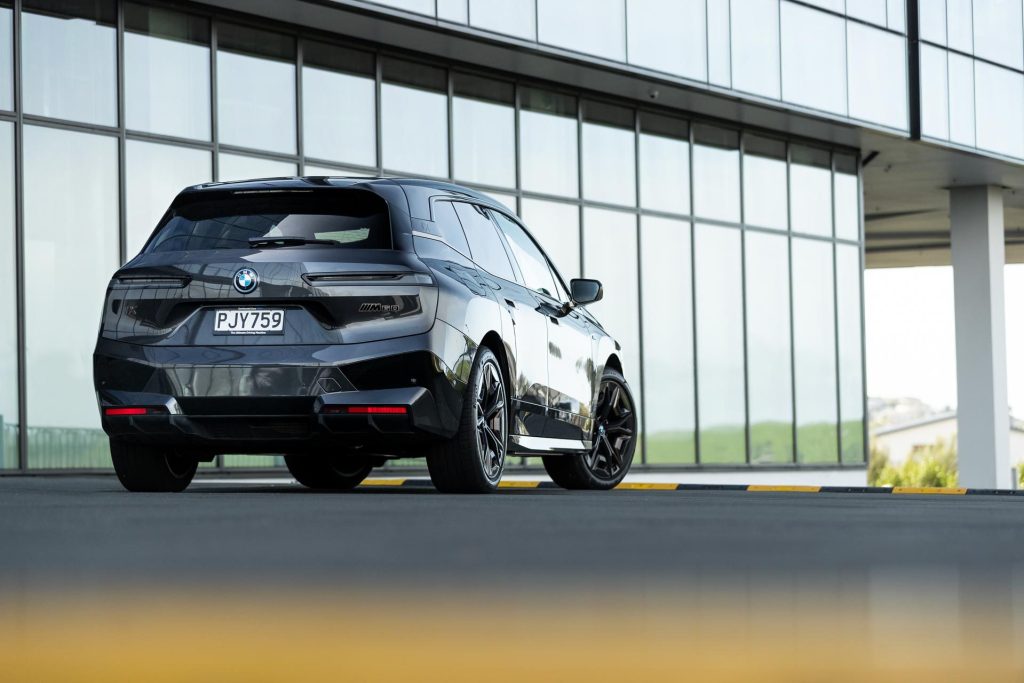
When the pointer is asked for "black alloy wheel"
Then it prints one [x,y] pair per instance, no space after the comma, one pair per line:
[613,441]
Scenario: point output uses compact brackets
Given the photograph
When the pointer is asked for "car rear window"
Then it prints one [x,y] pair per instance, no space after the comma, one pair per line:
[355,219]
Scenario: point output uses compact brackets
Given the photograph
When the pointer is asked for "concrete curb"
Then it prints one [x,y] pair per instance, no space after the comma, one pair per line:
[753,488]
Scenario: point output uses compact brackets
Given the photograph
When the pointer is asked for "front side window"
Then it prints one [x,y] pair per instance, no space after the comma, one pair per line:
[535,269]
[353,220]
[484,242]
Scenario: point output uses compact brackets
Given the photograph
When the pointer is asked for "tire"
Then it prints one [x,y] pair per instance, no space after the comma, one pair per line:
[614,442]
[329,472]
[474,459]
[151,469]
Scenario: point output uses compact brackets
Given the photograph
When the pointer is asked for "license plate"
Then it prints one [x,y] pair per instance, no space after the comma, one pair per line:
[248,321]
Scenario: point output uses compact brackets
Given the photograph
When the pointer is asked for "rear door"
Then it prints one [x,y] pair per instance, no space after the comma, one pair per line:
[531,369]
[568,353]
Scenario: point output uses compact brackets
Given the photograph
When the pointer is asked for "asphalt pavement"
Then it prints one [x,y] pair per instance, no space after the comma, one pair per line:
[79,528]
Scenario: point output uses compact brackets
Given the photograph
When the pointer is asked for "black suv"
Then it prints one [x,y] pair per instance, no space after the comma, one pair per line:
[346,321]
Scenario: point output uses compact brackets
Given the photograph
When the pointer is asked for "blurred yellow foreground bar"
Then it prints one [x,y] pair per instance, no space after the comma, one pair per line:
[648,635]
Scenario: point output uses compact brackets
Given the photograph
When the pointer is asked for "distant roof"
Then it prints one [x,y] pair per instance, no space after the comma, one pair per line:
[1015,424]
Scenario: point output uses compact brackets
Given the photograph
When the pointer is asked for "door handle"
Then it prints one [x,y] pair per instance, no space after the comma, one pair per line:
[554,319]
[511,304]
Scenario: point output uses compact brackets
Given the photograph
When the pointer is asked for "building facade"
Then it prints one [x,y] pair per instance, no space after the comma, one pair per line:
[709,160]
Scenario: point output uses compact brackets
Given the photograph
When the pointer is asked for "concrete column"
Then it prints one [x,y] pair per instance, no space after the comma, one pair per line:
[983,432]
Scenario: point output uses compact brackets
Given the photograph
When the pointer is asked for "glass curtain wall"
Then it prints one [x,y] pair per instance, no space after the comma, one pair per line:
[846,58]
[731,260]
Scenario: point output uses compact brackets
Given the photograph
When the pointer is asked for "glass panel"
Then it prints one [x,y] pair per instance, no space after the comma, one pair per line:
[814,340]
[934,93]
[897,15]
[851,380]
[418,6]
[339,108]
[512,17]
[69,60]
[484,242]
[609,155]
[847,194]
[960,25]
[998,32]
[668,340]
[557,227]
[669,36]
[242,167]
[9,421]
[764,183]
[873,11]
[878,76]
[719,66]
[999,109]
[484,124]
[593,26]
[155,175]
[716,173]
[532,264]
[414,117]
[961,99]
[315,170]
[6,58]
[834,5]
[932,21]
[813,59]
[664,164]
[720,390]
[616,268]
[256,89]
[84,168]
[755,48]
[548,143]
[769,365]
[166,72]
[810,191]
[453,10]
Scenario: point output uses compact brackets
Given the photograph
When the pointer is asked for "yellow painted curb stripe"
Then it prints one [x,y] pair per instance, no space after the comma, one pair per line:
[518,484]
[647,487]
[925,490]
[790,489]
[383,482]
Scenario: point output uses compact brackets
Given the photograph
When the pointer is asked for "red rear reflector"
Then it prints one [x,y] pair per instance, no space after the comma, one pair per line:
[367,410]
[125,411]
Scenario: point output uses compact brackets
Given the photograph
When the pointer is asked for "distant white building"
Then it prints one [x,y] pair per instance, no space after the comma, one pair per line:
[901,440]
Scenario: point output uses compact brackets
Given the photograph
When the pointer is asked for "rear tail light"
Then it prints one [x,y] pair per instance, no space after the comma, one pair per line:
[365,410]
[134,410]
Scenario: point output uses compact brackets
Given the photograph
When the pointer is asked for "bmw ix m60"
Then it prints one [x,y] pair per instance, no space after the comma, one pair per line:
[346,321]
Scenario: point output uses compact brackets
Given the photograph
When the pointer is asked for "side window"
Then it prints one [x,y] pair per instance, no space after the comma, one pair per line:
[484,242]
[531,260]
[448,226]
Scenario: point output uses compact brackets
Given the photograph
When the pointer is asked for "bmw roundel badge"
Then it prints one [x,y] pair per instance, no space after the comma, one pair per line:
[246,280]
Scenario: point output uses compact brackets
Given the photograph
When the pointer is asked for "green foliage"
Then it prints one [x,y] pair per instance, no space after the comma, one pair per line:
[932,465]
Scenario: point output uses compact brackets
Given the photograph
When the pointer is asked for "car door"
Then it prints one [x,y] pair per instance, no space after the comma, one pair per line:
[530,371]
[569,358]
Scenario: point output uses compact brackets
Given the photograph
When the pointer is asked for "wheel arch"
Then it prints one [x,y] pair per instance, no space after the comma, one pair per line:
[615,363]
[493,341]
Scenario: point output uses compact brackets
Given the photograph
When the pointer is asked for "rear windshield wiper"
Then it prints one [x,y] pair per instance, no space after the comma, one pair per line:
[271,242]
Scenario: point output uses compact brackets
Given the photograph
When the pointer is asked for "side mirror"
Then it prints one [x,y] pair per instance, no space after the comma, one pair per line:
[586,291]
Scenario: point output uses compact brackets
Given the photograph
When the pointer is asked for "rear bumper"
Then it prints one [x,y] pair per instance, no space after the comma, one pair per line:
[283,430]
[278,399]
